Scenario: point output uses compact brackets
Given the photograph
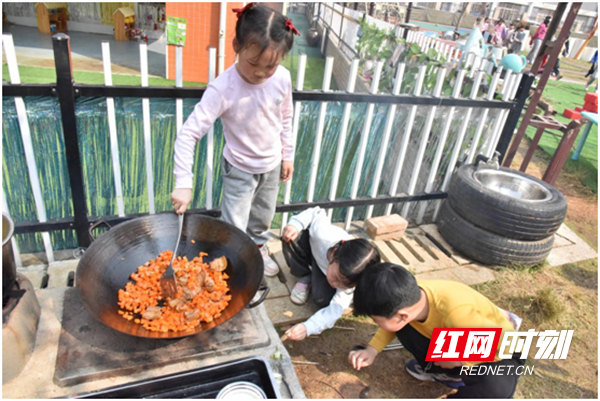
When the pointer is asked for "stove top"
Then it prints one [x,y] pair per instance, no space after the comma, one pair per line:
[89,350]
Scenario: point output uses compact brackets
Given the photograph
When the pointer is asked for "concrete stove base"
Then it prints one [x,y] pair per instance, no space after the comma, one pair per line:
[36,379]
[19,326]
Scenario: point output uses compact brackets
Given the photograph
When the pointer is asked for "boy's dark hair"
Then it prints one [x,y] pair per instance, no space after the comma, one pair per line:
[353,257]
[547,20]
[264,27]
[384,289]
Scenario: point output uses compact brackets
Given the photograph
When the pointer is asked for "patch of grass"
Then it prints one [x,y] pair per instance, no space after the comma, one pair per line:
[546,306]
[313,76]
[41,75]
[563,95]
[555,298]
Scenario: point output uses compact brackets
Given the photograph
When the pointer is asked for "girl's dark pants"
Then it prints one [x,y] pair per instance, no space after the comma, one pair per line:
[303,266]
[484,386]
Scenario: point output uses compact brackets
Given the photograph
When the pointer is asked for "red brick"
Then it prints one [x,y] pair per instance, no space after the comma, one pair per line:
[385,224]
[590,107]
[579,109]
[591,97]
[572,114]
[396,235]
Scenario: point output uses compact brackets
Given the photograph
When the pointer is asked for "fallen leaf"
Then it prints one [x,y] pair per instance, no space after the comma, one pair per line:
[288,314]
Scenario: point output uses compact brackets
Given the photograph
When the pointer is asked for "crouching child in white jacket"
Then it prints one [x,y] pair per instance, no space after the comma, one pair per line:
[327,263]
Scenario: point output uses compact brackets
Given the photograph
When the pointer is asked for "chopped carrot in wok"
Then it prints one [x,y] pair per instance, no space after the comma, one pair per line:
[201,294]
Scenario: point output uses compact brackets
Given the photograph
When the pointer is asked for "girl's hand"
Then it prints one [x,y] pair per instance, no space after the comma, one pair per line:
[297,333]
[448,364]
[290,233]
[180,199]
[287,168]
[362,358]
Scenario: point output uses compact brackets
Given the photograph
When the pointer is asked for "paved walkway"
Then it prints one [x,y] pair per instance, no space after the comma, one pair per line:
[422,250]
[35,49]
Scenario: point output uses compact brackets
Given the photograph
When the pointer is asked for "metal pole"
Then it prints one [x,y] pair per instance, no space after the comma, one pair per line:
[408,10]
[371,8]
[514,115]
[556,49]
[342,22]
[66,98]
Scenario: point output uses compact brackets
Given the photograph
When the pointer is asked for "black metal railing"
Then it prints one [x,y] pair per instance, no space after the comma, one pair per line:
[66,92]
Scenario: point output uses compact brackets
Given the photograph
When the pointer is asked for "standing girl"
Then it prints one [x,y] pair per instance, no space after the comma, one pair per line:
[253,97]
[537,39]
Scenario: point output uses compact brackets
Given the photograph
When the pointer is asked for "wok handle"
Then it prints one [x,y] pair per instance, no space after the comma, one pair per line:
[266,290]
[96,225]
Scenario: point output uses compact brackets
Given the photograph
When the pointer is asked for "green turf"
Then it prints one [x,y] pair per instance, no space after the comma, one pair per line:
[40,75]
[565,95]
[313,76]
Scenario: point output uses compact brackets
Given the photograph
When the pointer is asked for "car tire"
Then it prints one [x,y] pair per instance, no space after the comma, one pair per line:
[502,214]
[487,247]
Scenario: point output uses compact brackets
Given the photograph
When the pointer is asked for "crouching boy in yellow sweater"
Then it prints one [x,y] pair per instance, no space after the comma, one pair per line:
[410,310]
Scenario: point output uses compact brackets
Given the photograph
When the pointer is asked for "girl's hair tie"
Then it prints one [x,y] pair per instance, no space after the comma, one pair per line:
[342,241]
[291,27]
[241,11]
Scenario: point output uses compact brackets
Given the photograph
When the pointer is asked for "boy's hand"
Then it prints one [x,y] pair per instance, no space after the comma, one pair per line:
[362,358]
[287,169]
[448,364]
[180,199]
[290,233]
[297,333]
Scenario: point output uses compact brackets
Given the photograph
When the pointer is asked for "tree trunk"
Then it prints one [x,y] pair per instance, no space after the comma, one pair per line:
[460,18]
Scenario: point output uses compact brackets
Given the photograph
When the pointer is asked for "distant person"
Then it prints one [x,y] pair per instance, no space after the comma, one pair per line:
[537,39]
[499,33]
[593,72]
[410,310]
[253,98]
[510,37]
[474,42]
[518,39]
[485,25]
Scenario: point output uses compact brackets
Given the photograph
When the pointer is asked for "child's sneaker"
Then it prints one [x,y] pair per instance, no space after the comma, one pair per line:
[271,268]
[299,294]
[416,371]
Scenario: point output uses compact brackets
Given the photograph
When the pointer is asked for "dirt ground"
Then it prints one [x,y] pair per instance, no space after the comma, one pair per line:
[565,297]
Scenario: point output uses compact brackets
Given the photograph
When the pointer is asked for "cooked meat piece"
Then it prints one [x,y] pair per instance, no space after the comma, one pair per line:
[209,283]
[218,265]
[194,315]
[183,279]
[200,278]
[174,302]
[190,294]
[152,313]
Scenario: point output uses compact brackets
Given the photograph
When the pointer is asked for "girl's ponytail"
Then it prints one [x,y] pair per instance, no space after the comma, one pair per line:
[263,27]
[353,257]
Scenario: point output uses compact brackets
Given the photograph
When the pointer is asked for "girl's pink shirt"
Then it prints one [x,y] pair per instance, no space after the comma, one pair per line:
[257,124]
[541,32]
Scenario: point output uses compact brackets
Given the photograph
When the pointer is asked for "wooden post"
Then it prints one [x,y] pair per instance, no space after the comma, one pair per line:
[562,152]
[555,52]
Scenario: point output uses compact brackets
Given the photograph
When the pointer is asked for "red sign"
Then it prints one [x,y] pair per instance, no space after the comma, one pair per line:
[463,345]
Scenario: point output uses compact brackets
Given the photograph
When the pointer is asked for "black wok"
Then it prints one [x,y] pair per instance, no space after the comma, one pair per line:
[107,264]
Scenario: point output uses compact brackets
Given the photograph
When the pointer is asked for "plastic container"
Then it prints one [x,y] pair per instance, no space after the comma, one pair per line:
[207,382]
[241,391]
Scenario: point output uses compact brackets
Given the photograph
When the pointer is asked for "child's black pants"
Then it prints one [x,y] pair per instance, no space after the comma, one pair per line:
[484,386]
[303,266]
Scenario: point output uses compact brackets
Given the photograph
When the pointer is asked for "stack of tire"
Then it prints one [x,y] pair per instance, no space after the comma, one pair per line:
[501,217]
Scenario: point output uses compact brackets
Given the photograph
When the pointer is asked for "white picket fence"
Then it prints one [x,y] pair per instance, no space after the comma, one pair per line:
[509,88]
